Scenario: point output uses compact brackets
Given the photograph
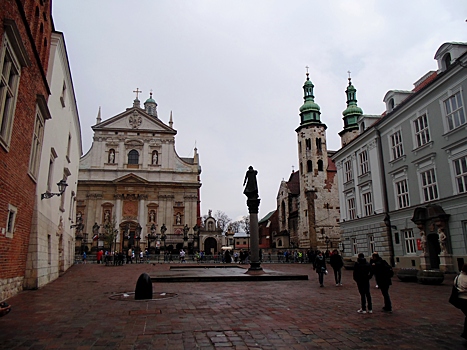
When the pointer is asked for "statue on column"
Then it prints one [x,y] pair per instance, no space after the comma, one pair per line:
[251,188]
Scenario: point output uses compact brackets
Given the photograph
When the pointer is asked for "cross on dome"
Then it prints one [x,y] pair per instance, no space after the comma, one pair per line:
[137,91]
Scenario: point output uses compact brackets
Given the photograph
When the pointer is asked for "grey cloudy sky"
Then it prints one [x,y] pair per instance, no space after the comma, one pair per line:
[232,72]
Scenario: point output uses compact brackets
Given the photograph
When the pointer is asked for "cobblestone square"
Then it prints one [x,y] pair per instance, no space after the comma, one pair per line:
[76,312]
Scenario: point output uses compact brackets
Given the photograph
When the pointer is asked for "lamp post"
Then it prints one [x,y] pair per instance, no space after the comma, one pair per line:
[186,229]
[196,236]
[163,235]
[61,188]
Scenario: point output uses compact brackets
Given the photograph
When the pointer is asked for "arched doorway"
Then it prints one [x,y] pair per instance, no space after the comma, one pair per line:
[210,246]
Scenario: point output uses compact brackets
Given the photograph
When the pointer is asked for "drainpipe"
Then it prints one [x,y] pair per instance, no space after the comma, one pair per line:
[385,198]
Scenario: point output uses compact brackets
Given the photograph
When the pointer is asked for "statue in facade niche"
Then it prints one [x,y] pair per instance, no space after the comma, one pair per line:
[423,240]
[111,156]
[442,240]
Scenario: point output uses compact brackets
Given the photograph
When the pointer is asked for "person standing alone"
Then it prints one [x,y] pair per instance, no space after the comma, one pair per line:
[337,263]
[362,275]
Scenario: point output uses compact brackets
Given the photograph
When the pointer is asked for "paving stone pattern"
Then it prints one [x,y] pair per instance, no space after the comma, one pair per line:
[76,312]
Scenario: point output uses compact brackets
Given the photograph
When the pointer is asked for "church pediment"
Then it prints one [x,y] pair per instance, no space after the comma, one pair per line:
[130,179]
[135,119]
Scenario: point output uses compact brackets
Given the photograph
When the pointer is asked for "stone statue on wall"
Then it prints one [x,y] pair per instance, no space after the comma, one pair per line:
[111,156]
[423,240]
[442,240]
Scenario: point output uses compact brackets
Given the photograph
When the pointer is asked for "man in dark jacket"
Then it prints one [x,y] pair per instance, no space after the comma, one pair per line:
[383,273]
[337,263]
[320,267]
[362,275]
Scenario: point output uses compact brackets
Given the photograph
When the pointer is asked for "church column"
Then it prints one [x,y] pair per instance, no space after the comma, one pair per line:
[118,214]
[142,219]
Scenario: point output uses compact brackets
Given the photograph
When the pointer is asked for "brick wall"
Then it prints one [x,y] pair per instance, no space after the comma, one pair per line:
[17,188]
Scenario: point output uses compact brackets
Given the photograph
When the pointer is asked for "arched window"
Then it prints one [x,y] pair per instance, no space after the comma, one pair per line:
[301,168]
[391,103]
[362,127]
[308,144]
[279,243]
[320,165]
[283,211]
[309,166]
[133,157]
[447,60]
[318,144]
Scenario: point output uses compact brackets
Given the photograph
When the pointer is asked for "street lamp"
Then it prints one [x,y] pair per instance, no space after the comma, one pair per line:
[196,236]
[61,188]
[186,229]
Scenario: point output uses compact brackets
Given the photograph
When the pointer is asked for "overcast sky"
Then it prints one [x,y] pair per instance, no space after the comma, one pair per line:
[232,72]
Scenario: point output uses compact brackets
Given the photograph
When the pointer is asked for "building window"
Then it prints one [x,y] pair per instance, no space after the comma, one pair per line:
[309,166]
[402,194]
[354,246]
[454,111]
[8,89]
[36,146]
[348,171]
[68,149]
[363,158]
[410,244]
[367,203]
[351,208]
[320,165]
[371,244]
[10,221]
[396,145]
[318,145]
[308,144]
[422,134]
[429,186]
[460,168]
[63,95]
[133,157]
[49,249]
[300,147]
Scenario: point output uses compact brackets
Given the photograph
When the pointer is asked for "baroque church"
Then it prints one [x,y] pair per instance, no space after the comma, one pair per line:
[308,203]
[134,190]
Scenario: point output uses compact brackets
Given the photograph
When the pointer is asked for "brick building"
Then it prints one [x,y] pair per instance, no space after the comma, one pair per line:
[25,32]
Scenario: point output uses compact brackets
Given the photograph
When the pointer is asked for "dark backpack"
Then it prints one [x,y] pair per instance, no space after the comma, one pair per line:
[388,269]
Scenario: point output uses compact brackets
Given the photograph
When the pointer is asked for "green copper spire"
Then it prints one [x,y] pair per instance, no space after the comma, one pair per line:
[309,111]
[352,112]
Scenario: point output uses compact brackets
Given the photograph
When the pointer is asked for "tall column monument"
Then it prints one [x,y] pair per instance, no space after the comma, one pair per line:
[251,192]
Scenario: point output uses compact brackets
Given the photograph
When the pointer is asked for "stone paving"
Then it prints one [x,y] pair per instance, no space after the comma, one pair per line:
[77,312]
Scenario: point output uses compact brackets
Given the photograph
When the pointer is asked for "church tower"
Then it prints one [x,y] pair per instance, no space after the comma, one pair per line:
[319,203]
[351,114]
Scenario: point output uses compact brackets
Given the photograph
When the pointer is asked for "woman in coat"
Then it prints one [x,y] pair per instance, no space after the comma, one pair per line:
[461,283]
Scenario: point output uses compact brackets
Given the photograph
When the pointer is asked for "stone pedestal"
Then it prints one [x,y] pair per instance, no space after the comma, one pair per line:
[425,262]
[255,264]
[445,263]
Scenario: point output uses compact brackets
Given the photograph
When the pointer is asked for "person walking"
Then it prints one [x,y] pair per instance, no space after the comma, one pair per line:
[362,275]
[320,268]
[461,284]
[84,257]
[337,263]
[383,274]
